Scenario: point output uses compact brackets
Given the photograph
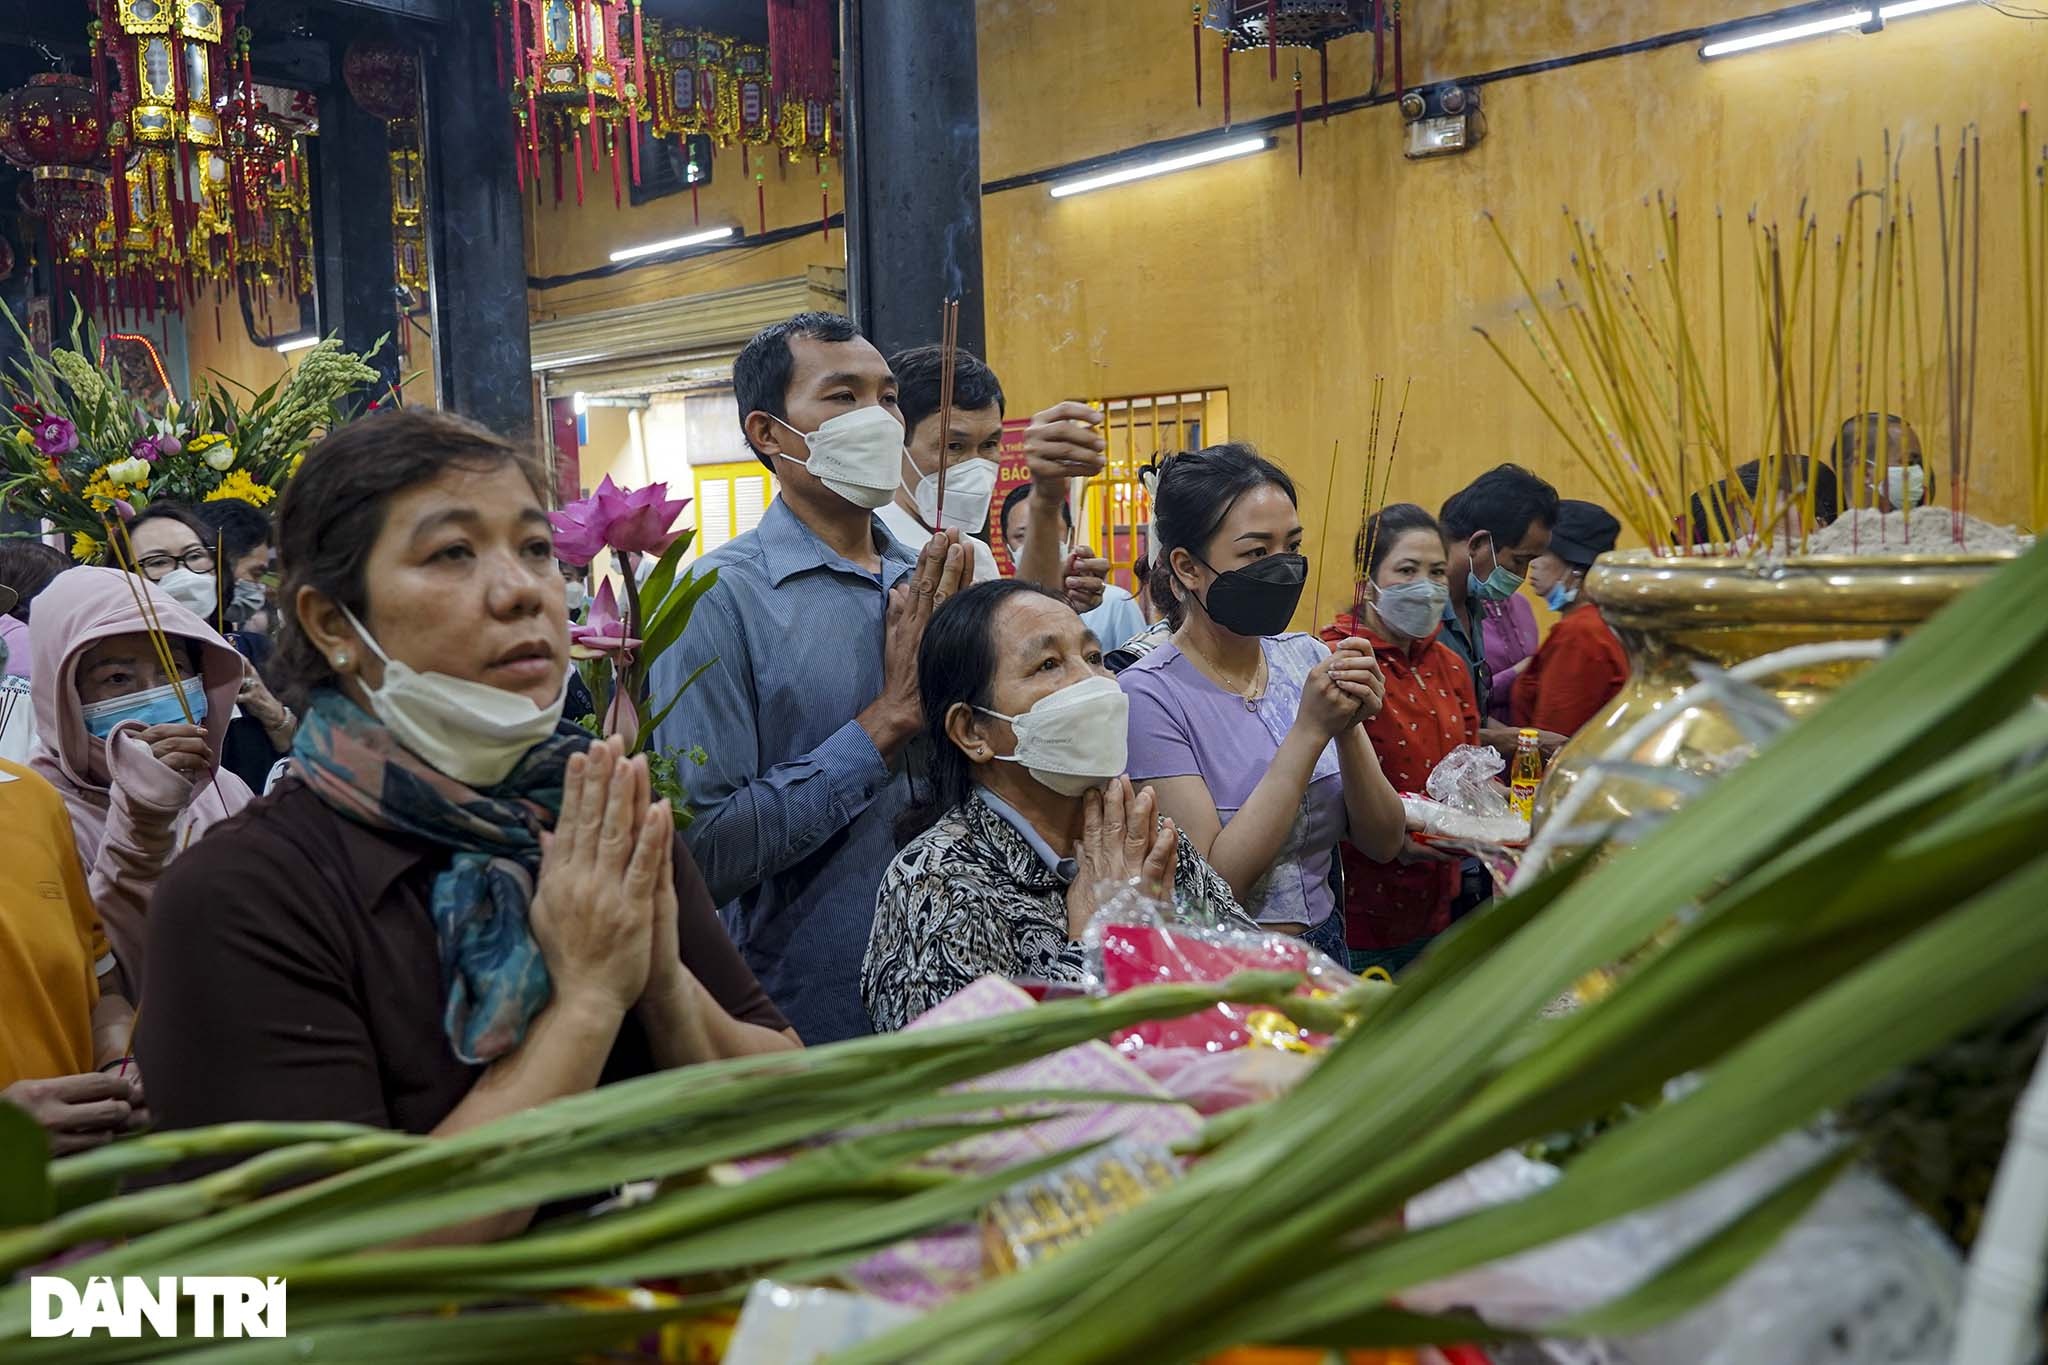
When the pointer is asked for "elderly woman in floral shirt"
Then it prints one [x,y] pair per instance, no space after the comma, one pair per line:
[1029,820]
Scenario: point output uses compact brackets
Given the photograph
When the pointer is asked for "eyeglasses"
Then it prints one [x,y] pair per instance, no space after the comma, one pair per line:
[198,559]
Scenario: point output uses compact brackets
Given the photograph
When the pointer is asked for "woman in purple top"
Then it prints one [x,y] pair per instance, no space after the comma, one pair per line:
[1511,640]
[1253,739]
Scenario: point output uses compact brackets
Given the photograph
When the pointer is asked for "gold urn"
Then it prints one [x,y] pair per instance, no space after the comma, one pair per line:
[1671,612]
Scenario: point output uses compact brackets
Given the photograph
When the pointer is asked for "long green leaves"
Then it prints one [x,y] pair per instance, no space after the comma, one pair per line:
[1417,1092]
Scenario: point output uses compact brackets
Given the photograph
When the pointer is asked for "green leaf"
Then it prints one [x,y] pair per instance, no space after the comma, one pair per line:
[25,1194]
[655,591]
[653,722]
[668,624]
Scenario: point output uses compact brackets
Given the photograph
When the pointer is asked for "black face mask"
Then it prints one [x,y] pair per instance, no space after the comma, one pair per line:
[1260,598]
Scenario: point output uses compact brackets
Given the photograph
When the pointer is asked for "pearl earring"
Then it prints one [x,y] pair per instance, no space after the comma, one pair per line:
[341,659]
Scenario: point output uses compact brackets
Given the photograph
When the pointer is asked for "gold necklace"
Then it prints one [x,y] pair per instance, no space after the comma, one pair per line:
[1249,692]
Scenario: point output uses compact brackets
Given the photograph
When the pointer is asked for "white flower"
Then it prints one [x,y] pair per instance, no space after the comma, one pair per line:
[220,456]
[130,470]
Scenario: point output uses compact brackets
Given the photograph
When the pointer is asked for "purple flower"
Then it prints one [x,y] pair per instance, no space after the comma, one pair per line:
[148,448]
[636,522]
[602,631]
[56,436]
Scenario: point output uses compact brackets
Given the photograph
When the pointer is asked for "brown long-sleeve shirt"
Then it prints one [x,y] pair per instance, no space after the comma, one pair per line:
[294,974]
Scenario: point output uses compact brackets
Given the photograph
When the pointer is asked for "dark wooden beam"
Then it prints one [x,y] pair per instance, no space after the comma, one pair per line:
[358,283]
[913,149]
[482,356]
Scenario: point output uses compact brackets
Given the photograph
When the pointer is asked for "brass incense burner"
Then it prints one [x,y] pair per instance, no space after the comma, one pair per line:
[1671,611]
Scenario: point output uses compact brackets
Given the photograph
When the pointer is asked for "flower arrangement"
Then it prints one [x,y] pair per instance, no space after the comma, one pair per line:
[75,449]
[616,649]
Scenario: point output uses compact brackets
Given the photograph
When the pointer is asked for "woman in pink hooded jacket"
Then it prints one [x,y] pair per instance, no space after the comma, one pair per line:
[141,794]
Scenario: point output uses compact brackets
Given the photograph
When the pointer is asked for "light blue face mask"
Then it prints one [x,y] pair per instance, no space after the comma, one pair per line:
[1560,596]
[1497,586]
[155,706]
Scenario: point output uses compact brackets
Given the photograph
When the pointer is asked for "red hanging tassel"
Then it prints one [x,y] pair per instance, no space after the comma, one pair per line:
[1379,43]
[746,161]
[761,199]
[578,159]
[532,143]
[1323,112]
[1226,80]
[825,208]
[1198,56]
[639,92]
[1272,40]
[498,40]
[1300,151]
[586,45]
[558,175]
[1400,84]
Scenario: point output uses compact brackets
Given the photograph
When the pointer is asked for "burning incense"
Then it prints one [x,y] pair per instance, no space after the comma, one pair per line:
[949,349]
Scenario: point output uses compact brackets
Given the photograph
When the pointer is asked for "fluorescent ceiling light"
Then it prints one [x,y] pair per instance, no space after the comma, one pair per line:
[1906,7]
[1767,37]
[1221,151]
[297,344]
[1835,23]
[673,244]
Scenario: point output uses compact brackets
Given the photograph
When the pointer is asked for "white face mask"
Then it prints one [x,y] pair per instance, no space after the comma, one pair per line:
[1074,739]
[574,596]
[858,455]
[195,592]
[1905,487]
[970,486]
[471,731]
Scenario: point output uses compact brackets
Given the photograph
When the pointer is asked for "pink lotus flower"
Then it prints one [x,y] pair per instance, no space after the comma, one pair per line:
[56,436]
[636,522]
[602,631]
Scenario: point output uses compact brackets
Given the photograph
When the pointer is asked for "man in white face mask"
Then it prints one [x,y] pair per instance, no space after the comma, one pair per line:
[972,449]
[806,715]
[1893,479]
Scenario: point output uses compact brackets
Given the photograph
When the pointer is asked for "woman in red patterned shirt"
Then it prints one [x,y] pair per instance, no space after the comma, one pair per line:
[1393,909]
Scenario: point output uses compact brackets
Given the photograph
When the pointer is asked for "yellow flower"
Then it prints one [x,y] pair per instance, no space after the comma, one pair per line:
[84,548]
[239,485]
[100,491]
[293,468]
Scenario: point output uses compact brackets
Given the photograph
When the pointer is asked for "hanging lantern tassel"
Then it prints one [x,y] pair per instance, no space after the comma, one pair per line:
[1323,110]
[1272,40]
[639,92]
[825,208]
[746,161]
[1198,56]
[1400,84]
[618,195]
[1299,150]
[589,49]
[498,40]
[761,199]
[532,97]
[1226,80]
[578,159]
[1379,43]
[696,215]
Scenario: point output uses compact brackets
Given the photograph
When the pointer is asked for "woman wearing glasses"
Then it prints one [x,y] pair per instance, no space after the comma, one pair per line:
[174,549]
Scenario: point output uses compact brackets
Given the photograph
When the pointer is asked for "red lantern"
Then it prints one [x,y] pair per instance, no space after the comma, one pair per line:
[52,130]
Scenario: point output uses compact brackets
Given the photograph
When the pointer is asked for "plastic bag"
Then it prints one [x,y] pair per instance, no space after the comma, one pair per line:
[783,1325]
[1132,942]
[1861,1279]
[1464,781]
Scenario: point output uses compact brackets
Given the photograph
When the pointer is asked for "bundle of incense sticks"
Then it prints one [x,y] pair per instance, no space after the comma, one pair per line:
[1375,477]
[1652,413]
[949,350]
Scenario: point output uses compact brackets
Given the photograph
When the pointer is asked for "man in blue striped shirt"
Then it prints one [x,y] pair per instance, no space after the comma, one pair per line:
[809,712]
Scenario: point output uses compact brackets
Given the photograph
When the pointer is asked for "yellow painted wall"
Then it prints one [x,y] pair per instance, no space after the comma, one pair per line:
[1291,293]
[565,239]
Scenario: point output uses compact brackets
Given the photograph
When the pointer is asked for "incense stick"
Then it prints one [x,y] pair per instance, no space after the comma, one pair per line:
[949,329]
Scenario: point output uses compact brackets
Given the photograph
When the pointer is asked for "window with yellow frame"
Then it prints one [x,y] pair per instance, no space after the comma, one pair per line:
[1113,509]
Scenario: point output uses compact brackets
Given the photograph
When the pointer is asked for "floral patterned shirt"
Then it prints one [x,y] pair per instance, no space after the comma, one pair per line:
[970,896]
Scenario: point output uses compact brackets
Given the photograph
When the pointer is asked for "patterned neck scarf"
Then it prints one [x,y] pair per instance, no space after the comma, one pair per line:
[491,967]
